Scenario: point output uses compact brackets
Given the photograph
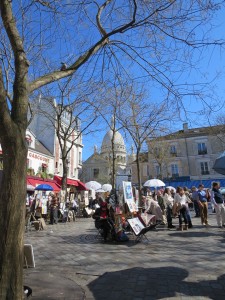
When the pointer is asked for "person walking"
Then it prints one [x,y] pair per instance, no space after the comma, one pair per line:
[180,200]
[54,210]
[217,200]
[203,204]
[168,203]
[194,197]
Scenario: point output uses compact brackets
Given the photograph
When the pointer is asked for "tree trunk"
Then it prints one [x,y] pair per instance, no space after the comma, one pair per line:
[113,161]
[12,215]
[64,177]
[138,174]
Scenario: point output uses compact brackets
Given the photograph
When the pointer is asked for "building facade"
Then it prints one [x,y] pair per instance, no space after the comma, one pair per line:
[39,160]
[98,166]
[188,152]
[44,125]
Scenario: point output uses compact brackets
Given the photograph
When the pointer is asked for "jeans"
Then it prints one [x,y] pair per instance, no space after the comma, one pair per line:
[197,208]
[54,215]
[188,214]
[183,214]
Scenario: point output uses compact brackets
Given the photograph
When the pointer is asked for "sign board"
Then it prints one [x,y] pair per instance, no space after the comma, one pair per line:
[29,256]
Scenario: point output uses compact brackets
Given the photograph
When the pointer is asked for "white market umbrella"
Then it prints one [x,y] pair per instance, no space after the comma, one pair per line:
[30,188]
[93,185]
[107,187]
[171,188]
[100,191]
[154,183]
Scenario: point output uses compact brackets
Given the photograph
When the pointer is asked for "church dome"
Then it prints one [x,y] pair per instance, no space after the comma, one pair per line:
[118,142]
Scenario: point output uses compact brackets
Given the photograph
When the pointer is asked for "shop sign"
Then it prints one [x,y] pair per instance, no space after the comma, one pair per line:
[38,156]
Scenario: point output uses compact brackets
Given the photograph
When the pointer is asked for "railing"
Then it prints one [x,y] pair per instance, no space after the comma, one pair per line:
[202,152]
[205,172]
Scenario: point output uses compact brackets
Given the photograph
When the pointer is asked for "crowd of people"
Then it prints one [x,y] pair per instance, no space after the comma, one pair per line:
[168,203]
[165,204]
[49,207]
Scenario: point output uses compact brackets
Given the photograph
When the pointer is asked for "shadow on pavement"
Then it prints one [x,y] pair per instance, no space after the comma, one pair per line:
[192,234]
[97,239]
[154,283]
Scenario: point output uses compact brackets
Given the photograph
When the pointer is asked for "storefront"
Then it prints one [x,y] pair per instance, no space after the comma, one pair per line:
[74,185]
[35,181]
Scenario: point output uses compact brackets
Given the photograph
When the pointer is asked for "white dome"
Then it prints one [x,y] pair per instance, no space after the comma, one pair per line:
[118,142]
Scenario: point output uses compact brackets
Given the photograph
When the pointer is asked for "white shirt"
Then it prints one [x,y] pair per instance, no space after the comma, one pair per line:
[180,199]
[167,199]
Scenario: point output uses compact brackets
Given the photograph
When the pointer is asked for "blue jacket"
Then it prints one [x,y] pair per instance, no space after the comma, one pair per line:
[202,196]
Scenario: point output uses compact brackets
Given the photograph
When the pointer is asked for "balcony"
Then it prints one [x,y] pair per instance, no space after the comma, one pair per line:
[204,172]
[174,154]
[202,152]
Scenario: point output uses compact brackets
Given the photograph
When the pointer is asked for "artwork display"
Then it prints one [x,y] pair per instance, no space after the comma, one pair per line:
[136,225]
[128,196]
[148,219]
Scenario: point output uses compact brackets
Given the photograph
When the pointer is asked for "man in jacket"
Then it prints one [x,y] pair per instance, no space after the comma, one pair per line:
[203,204]
[217,200]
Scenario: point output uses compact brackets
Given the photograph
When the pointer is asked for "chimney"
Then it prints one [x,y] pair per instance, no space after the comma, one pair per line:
[185,127]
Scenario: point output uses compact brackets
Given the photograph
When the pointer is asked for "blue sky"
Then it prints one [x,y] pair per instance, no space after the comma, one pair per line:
[210,69]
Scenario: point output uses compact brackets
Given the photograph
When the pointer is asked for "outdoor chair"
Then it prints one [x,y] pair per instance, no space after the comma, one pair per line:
[142,235]
[139,229]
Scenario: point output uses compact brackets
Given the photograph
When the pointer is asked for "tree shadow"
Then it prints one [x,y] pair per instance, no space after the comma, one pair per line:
[154,283]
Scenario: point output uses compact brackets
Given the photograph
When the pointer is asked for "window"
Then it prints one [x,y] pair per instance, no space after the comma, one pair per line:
[28,140]
[56,165]
[80,160]
[156,152]
[204,168]
[202,149]
[173,150]
[157,170]
[96,173]
[174,170]
[145,170]
[44,167]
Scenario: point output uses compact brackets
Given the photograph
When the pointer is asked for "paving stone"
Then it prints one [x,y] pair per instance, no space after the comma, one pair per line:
[186,265]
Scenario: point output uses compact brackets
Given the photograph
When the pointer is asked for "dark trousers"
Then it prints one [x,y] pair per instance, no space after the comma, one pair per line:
[169,215]
[197,208]
[54,215]
[183,215]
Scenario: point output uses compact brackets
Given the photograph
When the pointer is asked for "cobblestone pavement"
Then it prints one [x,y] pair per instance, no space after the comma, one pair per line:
[73,263]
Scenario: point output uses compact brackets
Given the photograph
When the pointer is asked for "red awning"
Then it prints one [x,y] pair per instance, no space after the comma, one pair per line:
[77,183]
[35,181]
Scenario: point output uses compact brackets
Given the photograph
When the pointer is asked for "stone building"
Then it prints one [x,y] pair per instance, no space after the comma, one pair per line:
[187,153]
[98,166]
[44,127]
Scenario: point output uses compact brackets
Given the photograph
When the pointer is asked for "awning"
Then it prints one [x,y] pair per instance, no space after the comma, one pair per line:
[35,181]
[77,183]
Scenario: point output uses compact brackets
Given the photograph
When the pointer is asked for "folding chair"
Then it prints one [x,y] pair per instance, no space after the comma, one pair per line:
[142,234]
[139,229]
